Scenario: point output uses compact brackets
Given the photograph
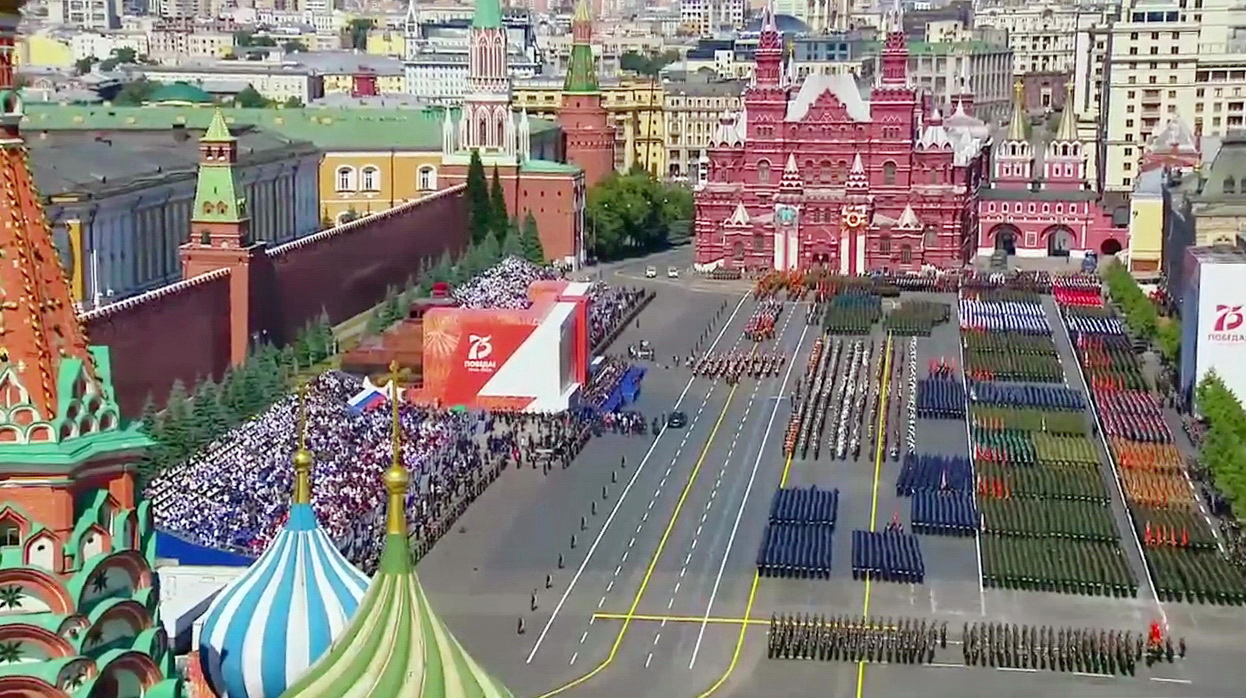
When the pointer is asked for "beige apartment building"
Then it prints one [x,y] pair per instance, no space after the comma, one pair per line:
[691,112]
[1043,36]
[1178,59]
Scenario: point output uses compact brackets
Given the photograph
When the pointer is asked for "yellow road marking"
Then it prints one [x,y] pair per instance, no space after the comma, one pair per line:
[878,468]
[752,596]
[653,562]
[681,619]
[697,619]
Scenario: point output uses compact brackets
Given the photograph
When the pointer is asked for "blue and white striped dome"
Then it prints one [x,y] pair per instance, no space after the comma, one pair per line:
[268,626]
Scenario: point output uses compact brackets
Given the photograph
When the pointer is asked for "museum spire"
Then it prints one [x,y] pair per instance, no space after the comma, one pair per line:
[1017,127]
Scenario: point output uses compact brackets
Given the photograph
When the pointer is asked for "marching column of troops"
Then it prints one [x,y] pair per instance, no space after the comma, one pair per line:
[732,367]
[904,641]
[1005,645]
[1087,650]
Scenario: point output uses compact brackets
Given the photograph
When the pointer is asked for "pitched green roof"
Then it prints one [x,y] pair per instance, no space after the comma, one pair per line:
[548,167]
[179,92]
[488,15]
[330,129]
[581,71]
[218,132]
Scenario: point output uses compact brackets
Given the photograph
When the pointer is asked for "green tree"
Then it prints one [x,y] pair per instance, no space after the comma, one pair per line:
[479,204]
[149,420]
[204,414]
[250,98]
[634,213]
[443,271]
[242,39]
[177,432]
[491,249]
[135,93]
[498,218]
[293,102]
[125,55]
[82,66]
[530,240]
[294,46]
[512,246]
[357,31]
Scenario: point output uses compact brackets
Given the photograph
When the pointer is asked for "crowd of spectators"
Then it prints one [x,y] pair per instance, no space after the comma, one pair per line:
[236,496]
[505,285]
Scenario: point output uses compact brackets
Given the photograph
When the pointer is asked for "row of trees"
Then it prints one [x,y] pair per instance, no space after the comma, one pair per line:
[1140,312]
[492,229]
[193,419]
[1223,451]
[634,213]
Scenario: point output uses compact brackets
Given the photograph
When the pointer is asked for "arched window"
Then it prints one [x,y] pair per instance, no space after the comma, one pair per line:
[824,171]
[346,179]
[759,242]
[930,238]
[763,171]
[841,172]
[889,173]
[737,250]
[906,254]
[884,244]
[428,178]
[371,179]
[1230,185]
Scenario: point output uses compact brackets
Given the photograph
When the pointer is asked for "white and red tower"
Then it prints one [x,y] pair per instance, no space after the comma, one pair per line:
[1014,157]
[1064,163]
[487,124]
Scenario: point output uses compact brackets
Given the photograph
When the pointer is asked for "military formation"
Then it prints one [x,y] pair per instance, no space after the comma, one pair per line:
[997,645]
[901,641]
[1085,650]
[734,366]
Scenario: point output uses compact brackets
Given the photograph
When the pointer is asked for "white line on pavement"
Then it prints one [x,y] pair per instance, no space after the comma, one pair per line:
[735,527]
[623,496]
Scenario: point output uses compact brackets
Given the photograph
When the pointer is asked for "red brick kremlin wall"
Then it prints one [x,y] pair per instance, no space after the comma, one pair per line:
[182,331]
[178,331]
[346,270]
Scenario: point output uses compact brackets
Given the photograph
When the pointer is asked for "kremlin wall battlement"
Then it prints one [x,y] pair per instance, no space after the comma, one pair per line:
[185,330]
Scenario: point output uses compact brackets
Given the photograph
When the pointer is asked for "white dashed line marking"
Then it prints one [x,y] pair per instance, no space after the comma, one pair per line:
[583,637]
[574,657]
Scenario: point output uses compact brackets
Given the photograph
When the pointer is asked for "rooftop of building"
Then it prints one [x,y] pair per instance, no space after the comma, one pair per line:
[225,68]
[180,93]
[341,128]
[942,48]
[705,88]
[95,164]
[346,63]
[1218,254]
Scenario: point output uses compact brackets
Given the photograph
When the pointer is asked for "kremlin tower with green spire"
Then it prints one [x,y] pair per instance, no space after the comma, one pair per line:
[78,596]
[584,121]
[395,645]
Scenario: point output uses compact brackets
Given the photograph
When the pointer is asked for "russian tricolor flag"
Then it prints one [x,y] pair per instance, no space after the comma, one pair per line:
[368,398]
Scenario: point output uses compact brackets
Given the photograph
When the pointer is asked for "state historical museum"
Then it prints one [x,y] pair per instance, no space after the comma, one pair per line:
[814,175]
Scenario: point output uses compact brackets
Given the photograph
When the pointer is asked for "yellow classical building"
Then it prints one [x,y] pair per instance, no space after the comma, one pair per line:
[44,50]
[636,109]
